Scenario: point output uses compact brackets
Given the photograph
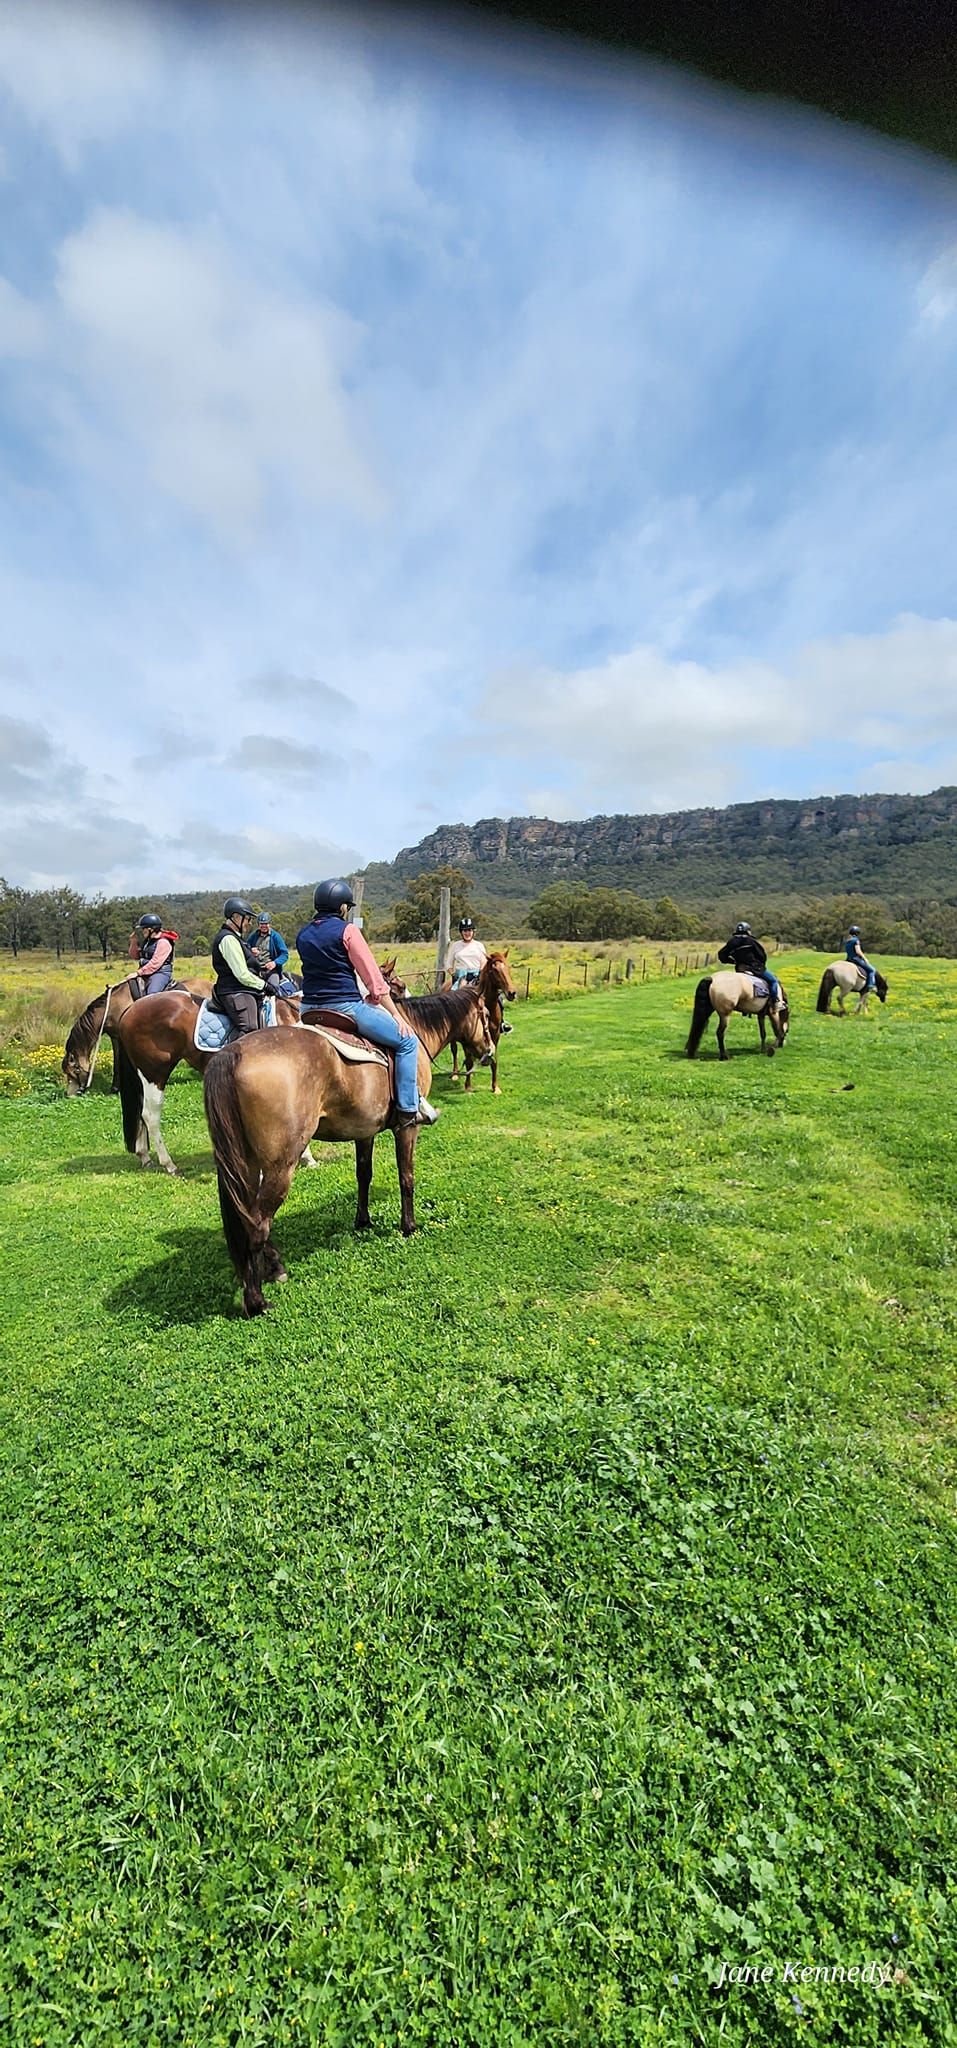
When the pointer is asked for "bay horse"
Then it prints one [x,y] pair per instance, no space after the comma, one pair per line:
[271,1091]
[104,1015]
[495,986]
[725,993]
[153,1036]
[849,980]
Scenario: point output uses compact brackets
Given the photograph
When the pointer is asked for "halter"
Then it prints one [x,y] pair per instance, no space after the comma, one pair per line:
[106,1011]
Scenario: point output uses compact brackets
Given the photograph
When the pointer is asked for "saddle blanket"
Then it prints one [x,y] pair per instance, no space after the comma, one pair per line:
[760,988]
[214,1029]
[347,1043]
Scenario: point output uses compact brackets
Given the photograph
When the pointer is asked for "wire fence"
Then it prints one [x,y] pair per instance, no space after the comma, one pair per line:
[568,977]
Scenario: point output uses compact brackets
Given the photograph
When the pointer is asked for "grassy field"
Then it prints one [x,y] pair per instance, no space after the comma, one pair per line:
[522,1626]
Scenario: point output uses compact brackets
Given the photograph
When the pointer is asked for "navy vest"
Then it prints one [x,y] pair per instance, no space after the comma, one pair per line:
[327,972]
[226,983]
[156,982]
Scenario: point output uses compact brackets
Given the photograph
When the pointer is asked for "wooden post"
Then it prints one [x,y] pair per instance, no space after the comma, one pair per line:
[445,922]
[644,966]
[629,969]
[528,979]
[585,976]
[358,887]
[558,978]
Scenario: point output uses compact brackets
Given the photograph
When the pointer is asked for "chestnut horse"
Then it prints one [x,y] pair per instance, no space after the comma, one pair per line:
[495,986]
[104,1014]
[725,993]
[849,980]
[270,1092]
[153,1036]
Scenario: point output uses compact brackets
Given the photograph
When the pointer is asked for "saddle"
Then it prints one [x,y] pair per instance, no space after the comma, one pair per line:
[348,1040]
[760,988]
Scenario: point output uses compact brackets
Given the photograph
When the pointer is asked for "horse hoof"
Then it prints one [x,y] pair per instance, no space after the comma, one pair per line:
[255,1308]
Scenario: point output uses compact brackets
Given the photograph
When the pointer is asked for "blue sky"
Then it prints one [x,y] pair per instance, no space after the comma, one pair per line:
[399,429]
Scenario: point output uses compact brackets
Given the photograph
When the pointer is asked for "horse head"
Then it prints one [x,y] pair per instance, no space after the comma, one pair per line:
[880,985]
[396,985]
[497,978]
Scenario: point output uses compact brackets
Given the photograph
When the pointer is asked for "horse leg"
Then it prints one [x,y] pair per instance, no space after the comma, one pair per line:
[363,1181]
[263,1260]
[115,1083]
[150,1131]
[405,1161]
[455,1062]
[493,1062]
[722,1027]
[762,1030]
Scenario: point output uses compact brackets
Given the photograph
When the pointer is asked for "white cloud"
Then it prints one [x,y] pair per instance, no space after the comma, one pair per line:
[229,388]
[647,732]
[937,290]
[22,325]
[78,69]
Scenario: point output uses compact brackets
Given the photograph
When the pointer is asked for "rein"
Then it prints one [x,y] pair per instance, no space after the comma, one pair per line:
[106,1011]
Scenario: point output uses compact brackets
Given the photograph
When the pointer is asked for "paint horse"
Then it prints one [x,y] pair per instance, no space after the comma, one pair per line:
[153,1037]
[849,980]
[104,1015]
[495,986]
[725,993]
[271,1091]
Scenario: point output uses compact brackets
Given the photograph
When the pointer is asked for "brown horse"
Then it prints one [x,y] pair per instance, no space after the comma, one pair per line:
[153,1036]
[270,1092]
[725,993]
[495,986]
[104,1015]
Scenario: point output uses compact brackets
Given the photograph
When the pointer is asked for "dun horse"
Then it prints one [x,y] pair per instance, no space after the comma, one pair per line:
[495,986]
[104,1015]
[153,1036]
[271,1091]
[849,980]
[725,993]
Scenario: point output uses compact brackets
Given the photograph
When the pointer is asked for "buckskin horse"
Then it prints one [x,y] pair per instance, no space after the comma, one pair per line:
[849,980]
[725,993]
[105,1014]
[271,1091]
[495,986]
[153,1036]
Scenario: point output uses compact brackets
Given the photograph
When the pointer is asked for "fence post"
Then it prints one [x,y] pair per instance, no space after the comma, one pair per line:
[558,978]
[445,920]
[528,979]
[585,976]
[629,969]
[644,966]
[358,888]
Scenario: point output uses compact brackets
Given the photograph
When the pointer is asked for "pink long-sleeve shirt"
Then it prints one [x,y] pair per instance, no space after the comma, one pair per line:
[361,959]
[156,959]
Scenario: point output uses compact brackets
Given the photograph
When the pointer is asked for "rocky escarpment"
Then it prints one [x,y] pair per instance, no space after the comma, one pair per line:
[620,841]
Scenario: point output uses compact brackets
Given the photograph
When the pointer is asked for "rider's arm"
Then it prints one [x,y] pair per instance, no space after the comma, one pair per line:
[362,961]
[281,954]
[232,952]
[726,954]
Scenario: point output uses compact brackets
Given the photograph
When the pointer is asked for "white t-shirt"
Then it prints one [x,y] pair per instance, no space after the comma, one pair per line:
[466,956]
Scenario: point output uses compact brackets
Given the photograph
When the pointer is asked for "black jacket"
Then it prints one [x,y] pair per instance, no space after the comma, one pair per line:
[745,953]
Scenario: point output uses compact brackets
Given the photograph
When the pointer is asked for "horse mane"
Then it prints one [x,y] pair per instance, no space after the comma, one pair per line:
[83,1032]
[436,1010]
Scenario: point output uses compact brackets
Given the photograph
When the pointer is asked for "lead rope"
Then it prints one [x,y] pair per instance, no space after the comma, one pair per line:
[96,1048]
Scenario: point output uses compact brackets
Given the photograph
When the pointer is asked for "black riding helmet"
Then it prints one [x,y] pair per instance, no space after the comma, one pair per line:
[237,906]
[742,931]
[149,922]
[332,895]
[466,924]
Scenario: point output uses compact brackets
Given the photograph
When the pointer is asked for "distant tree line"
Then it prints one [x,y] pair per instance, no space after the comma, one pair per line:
[63,921]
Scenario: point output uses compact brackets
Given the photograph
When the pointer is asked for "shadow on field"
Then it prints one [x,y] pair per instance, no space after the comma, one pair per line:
[189,1166]
[196,1283]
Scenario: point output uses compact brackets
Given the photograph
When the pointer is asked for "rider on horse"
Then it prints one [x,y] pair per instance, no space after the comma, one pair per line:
[333,955]
[465,960]
[152,948]
[239,985]
[854,952]
[746,953]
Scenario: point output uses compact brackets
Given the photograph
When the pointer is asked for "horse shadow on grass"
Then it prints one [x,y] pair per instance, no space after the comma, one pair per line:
[189,1166]
[195,1283]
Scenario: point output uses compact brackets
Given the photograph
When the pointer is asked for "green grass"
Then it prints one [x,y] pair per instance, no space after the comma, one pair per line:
[519,1621]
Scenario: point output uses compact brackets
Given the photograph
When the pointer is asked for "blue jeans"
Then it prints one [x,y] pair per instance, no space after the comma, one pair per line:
[377,1025]
[774,986]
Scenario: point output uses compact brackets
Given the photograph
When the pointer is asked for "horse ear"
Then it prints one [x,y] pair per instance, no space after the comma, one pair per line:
[505,953]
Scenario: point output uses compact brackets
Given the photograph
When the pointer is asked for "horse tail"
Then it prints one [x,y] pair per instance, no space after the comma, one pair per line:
[131,1096]
[229,1147]
[699,1015]
[826,990]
